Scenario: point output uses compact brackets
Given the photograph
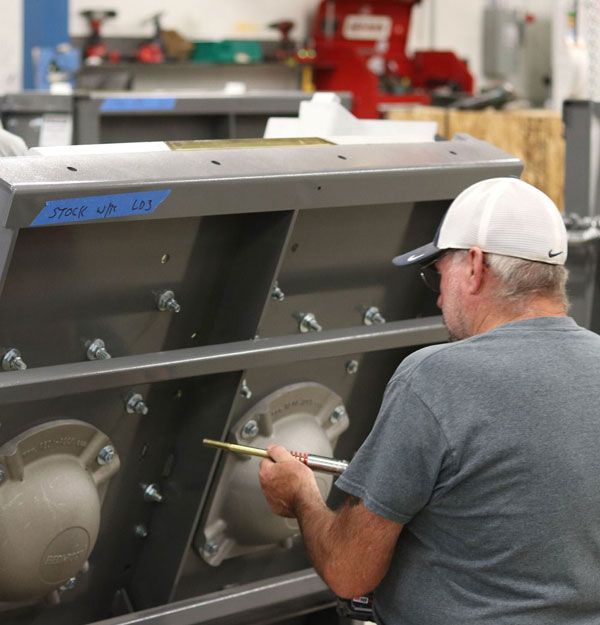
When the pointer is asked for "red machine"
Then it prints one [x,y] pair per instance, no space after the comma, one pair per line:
[361,47]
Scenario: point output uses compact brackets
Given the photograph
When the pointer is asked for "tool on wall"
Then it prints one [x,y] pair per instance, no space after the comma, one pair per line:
[152,51]
[96,51]
[286,48]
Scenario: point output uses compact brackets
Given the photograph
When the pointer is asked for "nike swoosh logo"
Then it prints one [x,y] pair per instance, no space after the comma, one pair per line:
[414,257]
[552,254]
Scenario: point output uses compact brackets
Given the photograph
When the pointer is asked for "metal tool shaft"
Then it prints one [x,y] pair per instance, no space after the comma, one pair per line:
[323,464]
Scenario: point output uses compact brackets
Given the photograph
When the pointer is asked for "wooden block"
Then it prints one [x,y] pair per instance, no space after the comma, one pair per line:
[535,136]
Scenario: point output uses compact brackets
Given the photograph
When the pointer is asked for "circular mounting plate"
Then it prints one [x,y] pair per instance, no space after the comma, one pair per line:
[298,416]
[49,506]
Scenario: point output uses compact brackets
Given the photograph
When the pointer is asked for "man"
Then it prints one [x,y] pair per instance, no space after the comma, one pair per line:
[476,497]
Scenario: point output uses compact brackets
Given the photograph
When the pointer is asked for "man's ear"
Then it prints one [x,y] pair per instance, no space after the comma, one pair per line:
[476,269]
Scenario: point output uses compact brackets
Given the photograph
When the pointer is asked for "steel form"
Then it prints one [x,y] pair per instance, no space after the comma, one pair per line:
[130,116]
[248,242]
[120,116]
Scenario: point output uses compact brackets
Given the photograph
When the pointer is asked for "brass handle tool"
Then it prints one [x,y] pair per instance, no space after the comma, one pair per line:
[323,464]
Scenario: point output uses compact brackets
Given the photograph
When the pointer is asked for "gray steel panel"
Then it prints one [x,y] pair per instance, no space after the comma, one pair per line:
[323,226]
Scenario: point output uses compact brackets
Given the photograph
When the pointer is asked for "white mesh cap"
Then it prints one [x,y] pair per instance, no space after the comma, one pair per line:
[501,216]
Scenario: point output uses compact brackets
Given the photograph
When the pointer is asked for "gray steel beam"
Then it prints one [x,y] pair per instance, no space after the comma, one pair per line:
[289,595]
[35,103]
[276,102]
[46,382]
[230,181]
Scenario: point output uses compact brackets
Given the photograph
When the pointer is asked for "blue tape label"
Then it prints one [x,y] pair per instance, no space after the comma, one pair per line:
[95,207]
[123,105]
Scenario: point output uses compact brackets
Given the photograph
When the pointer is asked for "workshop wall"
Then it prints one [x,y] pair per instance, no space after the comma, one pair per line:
[11,47]
[438,24]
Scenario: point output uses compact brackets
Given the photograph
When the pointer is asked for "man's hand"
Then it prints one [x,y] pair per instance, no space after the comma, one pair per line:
[351,548]
[286,481]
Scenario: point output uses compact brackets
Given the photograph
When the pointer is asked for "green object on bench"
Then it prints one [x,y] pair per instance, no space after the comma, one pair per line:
[227,51]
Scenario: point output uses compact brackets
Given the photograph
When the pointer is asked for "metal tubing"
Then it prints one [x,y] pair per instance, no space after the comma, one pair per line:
[322,464]
[326,465]
[68,379]
[244,605]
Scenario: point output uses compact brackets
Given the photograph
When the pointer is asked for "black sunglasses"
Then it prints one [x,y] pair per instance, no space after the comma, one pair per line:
[431,276]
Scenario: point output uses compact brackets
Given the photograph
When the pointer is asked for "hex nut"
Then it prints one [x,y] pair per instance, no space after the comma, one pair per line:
[309,323]
[277,294]
[250,430]
[351,367]
[166,301]
[373,316]
[135,404]
[211,548]
[12,361]
[151,493]
[245,390]
[69,584]
[106,455]
[140,531]
[96,350]
[338,413]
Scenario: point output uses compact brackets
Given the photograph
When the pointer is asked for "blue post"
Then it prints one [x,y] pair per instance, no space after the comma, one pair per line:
[45,23]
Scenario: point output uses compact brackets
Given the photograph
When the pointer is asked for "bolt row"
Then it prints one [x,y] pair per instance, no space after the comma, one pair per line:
[251,429]
[165,301]
[307,322]
[95,349]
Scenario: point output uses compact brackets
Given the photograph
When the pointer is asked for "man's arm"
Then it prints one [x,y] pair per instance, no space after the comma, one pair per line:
[350,548]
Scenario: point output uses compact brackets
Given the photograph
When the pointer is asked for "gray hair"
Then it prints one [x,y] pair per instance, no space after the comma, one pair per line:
[521,279]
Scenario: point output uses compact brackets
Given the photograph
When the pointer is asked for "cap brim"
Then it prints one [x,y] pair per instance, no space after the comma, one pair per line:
[421,255]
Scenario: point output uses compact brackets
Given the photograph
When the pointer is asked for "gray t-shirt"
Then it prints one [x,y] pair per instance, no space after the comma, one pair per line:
[488,450]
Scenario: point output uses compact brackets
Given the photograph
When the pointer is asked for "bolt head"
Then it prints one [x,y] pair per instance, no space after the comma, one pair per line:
[338,413]
[166,301]
[373,316]
[106,455]
[211,548]
[151,493]
[277,294]
[140,531]
[309,323]
[12,361]
[245,391]
[135,404]
[96,350]
[3,474]
[352,367]
[69,584]
[250,430]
